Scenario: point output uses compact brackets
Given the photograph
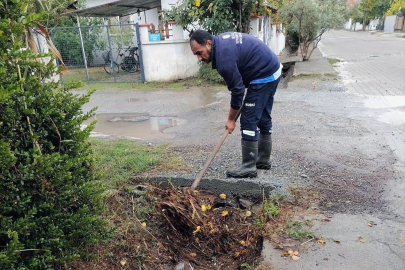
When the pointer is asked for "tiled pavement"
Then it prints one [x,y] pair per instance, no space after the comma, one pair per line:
[372,64]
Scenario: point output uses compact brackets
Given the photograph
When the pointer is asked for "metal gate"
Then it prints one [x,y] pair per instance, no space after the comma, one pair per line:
[103,53]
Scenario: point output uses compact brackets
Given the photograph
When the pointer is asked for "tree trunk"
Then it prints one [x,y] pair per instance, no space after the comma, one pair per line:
[365,15]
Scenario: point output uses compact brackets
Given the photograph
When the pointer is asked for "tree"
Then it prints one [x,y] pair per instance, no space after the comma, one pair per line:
[216,16]
[50,201]
[310,19]
[395,7]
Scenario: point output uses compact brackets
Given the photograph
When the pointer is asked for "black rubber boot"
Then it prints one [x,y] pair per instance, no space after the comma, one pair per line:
[263,158]
[249,157]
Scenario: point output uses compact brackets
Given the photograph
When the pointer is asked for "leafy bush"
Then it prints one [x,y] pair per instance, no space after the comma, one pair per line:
[210,74]
[50,202]
[395,7]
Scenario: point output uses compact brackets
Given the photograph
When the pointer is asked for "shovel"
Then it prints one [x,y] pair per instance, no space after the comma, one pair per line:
[213,154]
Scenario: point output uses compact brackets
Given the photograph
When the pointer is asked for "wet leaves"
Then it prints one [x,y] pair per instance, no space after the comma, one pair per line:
[197,229]
[321,242]
[291,253]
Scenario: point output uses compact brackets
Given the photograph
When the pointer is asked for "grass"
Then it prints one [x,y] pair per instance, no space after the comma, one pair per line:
[177,86]
[97,74]
[333,61]
[318,76]
[299,230]
[119,160]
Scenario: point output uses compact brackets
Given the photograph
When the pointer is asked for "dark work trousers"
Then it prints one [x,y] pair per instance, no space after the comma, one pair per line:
[256,112]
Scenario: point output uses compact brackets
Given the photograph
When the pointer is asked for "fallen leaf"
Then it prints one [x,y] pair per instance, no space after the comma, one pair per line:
[361,239]
[193,254]
[237,254]
[290,252]
[214,230]
[197,230]
[336,241]
[248,213]
[242,242]
[197,240]
[321,242]
[295,258]
[215,209]
[203,208]
[325,219]
[243,252]
[369,224]
[144,224]
[123,261]
[285,253]
[208,206]
[222,196]
[224,213]
[295,253]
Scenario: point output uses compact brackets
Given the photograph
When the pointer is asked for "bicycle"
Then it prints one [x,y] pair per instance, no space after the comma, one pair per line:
[129,63]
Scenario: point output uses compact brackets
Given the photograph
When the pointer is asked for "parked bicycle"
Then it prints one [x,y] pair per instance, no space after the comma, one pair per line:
[129,63]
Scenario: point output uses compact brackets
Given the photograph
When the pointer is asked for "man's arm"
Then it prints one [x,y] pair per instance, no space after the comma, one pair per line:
[228,69]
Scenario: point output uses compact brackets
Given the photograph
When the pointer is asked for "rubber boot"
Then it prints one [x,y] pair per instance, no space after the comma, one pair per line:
[249,157]
[263,158]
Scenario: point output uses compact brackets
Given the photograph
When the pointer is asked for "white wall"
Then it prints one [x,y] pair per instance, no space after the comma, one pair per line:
[357,26]
[389,24]
[92,3]
[348,24]
[43,48]
[373,24]
[277,40]
[168,60]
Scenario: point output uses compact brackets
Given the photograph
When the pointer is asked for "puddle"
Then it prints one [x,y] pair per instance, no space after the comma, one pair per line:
[133,126]
[385,102]
[394,117]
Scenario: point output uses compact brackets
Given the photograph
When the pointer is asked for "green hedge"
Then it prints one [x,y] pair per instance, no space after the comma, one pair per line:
[210,74]
[50,201]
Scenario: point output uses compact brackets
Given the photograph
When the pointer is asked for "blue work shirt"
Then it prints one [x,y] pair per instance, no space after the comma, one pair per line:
[241,59]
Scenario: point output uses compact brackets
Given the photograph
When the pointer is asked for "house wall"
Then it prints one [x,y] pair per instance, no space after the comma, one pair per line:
[169,59]
[277,40]
[92,3]
[348,24]
[389,24]
[148,16]
[357,26]
[43,48]
[268,34]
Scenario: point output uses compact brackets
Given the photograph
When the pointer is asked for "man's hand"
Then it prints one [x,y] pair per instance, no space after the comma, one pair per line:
[230,125]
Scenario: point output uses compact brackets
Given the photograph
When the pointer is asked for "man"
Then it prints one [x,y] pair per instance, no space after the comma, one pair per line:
[244,61]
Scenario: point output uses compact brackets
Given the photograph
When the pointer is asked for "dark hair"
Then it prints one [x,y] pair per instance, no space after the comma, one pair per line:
[201,37]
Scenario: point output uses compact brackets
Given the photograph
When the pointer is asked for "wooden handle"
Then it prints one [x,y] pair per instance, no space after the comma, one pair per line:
[213,154]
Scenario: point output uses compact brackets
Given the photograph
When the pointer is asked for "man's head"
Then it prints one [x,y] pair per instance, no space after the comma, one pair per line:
[200,43]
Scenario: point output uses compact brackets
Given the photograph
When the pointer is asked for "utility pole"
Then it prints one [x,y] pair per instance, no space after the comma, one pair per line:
[365,15]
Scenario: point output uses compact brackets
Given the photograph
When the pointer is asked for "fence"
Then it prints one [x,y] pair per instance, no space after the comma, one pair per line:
[107,53]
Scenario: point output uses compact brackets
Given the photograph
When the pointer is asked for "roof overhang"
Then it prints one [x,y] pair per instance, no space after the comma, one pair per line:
[117,8]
